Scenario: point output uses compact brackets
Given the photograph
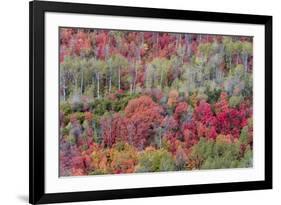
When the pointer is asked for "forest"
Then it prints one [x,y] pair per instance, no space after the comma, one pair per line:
[134,101]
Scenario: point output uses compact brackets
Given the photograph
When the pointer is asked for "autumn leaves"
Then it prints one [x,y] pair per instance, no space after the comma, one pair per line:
[151,101]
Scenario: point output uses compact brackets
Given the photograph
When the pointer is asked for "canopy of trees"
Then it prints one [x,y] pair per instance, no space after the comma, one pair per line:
[133,101]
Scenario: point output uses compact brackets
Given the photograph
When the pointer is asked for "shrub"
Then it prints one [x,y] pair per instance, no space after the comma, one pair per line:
[234,101]
[65,107]
[122,101]
[80,116]
[213,94]
[152,160]
[244,138]
[99,161]
[219,153]
[123,158]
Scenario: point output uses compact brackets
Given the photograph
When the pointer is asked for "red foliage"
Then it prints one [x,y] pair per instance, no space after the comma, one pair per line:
[77,172]
[190,135]
[181,109]
[194,47]
[112,127]
[101,38]
[171,129]
[88,116]
[173,145]
[203,113]
[65,36]
[142,116]
[222,104]
[83,42]
[211,133]
[163,52]
[231,122]
[164,40]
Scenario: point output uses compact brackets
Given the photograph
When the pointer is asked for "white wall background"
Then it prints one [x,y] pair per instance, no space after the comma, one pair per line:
[14,100]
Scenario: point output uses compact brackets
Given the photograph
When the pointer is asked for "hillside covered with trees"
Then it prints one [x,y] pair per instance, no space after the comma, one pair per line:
[133,101]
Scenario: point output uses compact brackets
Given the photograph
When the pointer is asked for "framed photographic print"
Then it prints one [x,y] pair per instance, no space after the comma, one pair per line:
[140,102]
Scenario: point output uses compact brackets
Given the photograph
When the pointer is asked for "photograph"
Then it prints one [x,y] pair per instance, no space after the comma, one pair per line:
[132,102]
[150,101]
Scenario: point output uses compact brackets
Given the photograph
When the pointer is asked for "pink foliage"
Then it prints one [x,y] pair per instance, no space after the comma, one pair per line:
[181,109]
[142,116]
[112,128]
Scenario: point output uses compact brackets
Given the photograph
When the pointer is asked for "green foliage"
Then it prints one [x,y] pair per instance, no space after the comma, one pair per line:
[65,131]
[157,73]
[70,139]
[80,116]
[201,95]
[65,107]
[205,49]
[101,106]
[89,91]
[238,82]
[247,160]
[247,47]
[244,138]
[155,160]
[220,154]
[213,94]
[122,101]
[234,101]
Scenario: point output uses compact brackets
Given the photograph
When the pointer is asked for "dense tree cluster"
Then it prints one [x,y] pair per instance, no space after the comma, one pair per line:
[152,101]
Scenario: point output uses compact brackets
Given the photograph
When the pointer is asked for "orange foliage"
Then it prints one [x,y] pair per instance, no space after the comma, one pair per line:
[173,98]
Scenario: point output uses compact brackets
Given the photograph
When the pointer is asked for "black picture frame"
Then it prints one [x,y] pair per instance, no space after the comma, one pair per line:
[37,9]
